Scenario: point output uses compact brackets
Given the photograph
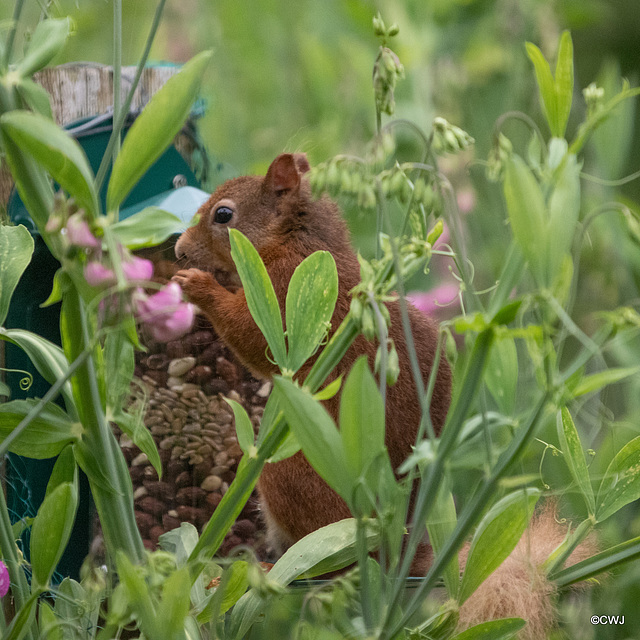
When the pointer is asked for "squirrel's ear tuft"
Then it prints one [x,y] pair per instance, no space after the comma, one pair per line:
[284,173]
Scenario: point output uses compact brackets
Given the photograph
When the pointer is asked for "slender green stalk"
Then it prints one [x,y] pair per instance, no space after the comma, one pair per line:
[119,123]
[17,12]
[365,585]
[469,516]
[428,487]
[117,70]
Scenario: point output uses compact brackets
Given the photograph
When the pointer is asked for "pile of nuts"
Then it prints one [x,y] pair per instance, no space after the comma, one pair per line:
[193,428]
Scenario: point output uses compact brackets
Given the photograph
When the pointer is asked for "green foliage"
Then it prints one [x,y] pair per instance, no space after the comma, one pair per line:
[16,247]
[147,228]
[155,128]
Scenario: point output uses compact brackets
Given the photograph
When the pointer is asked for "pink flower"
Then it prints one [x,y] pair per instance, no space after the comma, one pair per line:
[96,274]
[79,233]
[433,300]
[164,313]
[137,268]
[5,580]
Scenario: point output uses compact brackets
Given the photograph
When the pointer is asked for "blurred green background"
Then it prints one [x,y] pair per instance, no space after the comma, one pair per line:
[297,76]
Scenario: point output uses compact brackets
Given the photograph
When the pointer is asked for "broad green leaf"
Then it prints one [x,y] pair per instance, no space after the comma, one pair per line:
[175,604]
[147,228]
[47,40]
[501,375]
[45,437]
[311,298]
[526,209]
[362,426]
[440,525]
[94,466]
[494,630]
[35,96]
[317,435]
[180,542]
[4,390]
[496,537]
[621,481]
[51,530]
[574,456]
[597,381]
[244,428]
[154,129]
[260,294]
[546,87]
[289,447]
[564,81]
[46,357]
[328,549]
[56,151]
[16,248]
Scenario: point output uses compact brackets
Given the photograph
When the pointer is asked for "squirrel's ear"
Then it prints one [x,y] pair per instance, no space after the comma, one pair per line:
[285,171]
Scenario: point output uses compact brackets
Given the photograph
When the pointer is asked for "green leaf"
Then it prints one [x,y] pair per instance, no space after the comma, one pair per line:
[138,596]
[236,585]
[175,604]
[65,470]
[329,391]
[47,41]
[135,428]
[45,437]
[501,376]
[317,435]
[244,428]
[597,381]
[362,426]
[260,294]
[16,248]
[311,298]
[440,525]
[494,630]
[621,481]
[46,357]
[24,619]
[496,537]
[35,96]
[564,82]
[564,209]
[49,626]
[51,531]
[180,542]
[574,456]
[602,562]
[56,151]
[147,228]
[154,129]
[57,289]
[546,87]
[328,549]
[4,389]
[526,210]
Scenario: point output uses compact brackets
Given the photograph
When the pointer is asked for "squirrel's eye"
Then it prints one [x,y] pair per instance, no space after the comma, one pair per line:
[222,215]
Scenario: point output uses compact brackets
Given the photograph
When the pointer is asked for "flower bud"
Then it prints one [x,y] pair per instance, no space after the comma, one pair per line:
[393,365]
[394,29]
[137,268]
[368,326]
[97,275]
[378,25]
[79,234]
[356,308]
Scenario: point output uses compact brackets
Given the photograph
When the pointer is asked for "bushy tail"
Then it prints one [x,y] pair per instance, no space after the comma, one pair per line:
[519,587]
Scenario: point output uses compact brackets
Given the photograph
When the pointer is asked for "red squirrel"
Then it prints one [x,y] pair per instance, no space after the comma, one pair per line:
[286,224]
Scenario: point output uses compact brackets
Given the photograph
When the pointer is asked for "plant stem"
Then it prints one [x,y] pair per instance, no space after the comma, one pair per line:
[17,11]
[117,70]
[124,111]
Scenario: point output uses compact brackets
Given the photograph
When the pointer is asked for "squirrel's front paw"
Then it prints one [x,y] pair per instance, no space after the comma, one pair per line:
[196,284]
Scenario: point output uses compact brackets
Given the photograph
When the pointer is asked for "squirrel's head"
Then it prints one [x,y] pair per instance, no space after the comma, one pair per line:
[268,209]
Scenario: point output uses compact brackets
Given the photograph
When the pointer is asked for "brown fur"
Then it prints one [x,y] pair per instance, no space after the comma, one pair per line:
[285,224]
[518,587]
